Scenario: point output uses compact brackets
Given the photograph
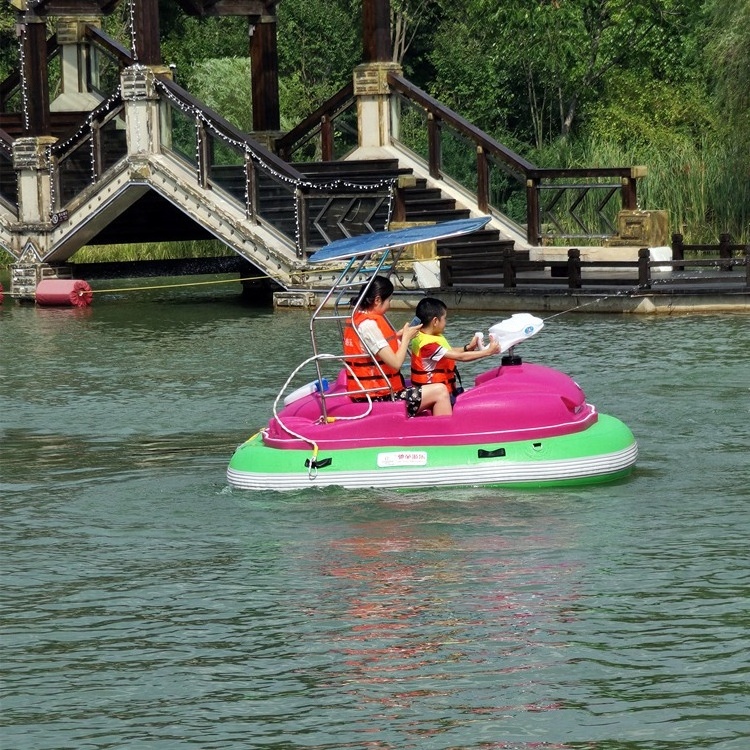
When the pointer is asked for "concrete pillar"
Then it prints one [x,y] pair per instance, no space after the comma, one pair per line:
[31,234]
[77,57]
[372,93]
[142,113]
[371,78]
[32,162]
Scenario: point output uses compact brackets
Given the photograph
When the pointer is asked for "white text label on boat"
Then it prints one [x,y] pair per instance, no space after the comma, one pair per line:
[402,458]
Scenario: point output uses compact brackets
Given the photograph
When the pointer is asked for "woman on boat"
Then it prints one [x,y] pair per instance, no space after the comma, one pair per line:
[368,334]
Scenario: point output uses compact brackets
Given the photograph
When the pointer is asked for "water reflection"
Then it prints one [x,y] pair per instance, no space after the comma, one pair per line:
[442,619]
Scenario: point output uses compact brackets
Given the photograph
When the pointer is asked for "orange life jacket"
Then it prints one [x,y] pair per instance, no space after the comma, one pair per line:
[363,363]
[424,371]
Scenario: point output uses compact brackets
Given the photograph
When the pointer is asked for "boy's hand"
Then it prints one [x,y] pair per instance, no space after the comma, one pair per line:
[493,347]
[472,345]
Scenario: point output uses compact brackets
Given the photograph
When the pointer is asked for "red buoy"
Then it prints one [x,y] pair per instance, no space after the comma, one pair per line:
[63,292]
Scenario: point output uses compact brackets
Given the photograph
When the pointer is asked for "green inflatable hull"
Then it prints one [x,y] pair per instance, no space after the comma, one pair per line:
[603,452]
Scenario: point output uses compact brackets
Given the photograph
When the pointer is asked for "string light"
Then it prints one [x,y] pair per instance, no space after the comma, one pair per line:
[60,148]
[296,183]
[24,83]
[131,18]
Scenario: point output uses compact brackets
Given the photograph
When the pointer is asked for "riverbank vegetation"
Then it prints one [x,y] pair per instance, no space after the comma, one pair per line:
[565,83]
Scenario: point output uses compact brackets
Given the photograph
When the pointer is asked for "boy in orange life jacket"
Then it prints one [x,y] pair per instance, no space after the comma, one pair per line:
[433,359]
[375,336]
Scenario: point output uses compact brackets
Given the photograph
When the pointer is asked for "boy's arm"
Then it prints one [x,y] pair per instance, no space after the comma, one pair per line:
[470,352]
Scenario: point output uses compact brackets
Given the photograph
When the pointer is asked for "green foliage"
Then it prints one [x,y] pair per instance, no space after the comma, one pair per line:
[548,59]
[224,85]
[155,251]
[8,41]
[187,40]
[319,45]
[728,47]
[563,82]
[703,185]
[633,110]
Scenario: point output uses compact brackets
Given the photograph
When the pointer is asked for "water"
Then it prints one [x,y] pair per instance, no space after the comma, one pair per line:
[145,604]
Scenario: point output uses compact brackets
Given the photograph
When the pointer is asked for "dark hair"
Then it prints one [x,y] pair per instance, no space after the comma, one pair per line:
[379,286]
[429,308]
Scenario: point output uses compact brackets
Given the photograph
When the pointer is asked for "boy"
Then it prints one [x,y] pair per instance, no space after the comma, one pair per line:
[433,359]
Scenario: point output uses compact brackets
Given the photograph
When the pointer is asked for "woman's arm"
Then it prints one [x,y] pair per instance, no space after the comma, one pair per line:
[396,359]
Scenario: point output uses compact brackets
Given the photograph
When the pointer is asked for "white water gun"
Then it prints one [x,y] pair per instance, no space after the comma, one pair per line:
[515,329]
[511,331]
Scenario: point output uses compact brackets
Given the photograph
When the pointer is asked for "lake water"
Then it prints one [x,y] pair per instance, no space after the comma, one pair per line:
[146,604]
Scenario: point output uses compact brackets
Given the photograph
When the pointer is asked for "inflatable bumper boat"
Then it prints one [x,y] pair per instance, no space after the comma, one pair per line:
[518,425]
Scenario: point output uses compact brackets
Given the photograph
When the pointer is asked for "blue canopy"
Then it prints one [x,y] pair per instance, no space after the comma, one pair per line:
[351,247]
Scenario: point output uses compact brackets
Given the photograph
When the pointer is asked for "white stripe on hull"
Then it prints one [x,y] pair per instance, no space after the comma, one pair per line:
[499,472]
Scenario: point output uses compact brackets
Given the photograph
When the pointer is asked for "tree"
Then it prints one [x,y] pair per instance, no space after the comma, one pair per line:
[407,16]
[319,44]
[728,48]
[550,58]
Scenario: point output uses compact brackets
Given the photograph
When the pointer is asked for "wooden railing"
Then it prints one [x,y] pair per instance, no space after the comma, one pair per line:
[504,181]
[627,274]
[83,158]
[725,248]
[310,213]
[10,88]
[8,177]
[106,63]
[319,129]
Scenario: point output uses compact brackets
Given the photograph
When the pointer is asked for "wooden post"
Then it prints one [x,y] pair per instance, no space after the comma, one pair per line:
[629,189]
[302,239]
[399,204]
[204,154]
[533,222]
[574,268]
[326,138]
[35,87]
[725,250]
[678,251]
[629,194]
[509,268]
[146,32]
[264,64]
[644,268]
[747,266]
[251,186]
[483,181]
[433,145]
[376,30]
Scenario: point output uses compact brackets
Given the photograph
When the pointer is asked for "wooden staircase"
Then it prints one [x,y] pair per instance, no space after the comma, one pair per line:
[469,260]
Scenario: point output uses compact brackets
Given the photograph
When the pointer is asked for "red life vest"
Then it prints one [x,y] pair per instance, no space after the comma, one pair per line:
[363,363]
[425,371]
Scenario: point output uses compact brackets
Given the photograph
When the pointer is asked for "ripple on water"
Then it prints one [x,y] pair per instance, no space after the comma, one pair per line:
[148,605]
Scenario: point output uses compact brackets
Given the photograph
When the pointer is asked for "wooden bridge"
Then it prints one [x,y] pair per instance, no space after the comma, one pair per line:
[125,155]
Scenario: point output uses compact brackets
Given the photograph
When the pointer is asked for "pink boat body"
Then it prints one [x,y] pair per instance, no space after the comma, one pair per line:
[512,402]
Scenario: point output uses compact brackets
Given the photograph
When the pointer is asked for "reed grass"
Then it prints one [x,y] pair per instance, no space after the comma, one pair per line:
[154,251]
[704,187]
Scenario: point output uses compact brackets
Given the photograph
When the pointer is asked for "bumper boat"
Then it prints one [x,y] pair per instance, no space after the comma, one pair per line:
[518,425]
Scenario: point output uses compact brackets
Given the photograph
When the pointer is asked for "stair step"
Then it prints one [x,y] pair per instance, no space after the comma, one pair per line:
[435,204]
[437,215]
[374,170]
[421,194]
